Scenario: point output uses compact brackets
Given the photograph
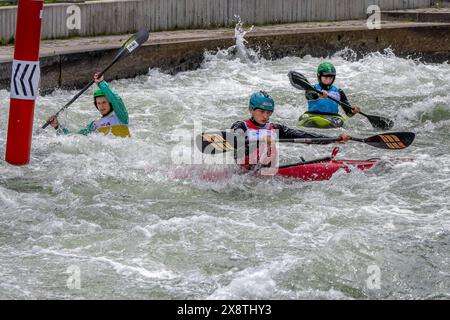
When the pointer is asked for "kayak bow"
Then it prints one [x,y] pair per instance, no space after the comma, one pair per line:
[321,121]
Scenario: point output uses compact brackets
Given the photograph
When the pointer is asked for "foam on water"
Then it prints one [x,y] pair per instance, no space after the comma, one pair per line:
[139,225]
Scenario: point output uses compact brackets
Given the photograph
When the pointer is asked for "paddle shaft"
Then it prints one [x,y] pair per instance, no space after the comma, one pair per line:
[313,140]
[393,140]
[223,141]
[310,140]
[318,140]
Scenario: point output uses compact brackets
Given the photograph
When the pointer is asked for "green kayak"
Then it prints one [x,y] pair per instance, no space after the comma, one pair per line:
[320,120]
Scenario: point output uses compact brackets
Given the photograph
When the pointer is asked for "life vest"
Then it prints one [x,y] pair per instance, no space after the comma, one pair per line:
[260,154]
[325,105]
[111,124]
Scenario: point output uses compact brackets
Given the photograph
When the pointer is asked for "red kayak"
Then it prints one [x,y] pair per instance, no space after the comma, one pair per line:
[314,170]
[323,169]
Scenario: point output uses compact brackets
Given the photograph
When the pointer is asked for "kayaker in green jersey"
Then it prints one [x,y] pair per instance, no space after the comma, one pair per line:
[258,128]
[319,105]
[114,115]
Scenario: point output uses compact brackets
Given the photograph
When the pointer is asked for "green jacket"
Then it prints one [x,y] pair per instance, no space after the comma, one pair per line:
[117,104]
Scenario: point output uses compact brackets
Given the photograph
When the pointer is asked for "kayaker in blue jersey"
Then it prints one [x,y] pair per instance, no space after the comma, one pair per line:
[114,115]
[258,127]
[318,103]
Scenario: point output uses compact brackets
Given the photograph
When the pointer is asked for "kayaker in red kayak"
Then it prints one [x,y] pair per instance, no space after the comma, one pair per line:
[318,103]
[258,128]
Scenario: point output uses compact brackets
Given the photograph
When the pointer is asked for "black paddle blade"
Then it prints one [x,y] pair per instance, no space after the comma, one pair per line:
[214,142]
[299,81]
[380,122]
[391,140]
[136,40]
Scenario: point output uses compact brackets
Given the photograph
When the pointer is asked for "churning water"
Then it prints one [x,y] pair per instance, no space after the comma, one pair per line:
[109,212]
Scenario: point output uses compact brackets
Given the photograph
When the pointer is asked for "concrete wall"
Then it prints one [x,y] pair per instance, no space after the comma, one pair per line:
[113,17]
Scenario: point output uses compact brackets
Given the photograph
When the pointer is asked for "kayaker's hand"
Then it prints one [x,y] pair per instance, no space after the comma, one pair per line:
[344,138]
[324,94]
[53,120]
[98,78]
[356,109]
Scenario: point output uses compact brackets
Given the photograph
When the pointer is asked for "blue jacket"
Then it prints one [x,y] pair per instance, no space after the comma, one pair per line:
[317,104]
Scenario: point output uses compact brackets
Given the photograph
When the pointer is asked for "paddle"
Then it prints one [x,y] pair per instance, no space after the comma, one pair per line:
[129,46]
[224,141]
[299,81]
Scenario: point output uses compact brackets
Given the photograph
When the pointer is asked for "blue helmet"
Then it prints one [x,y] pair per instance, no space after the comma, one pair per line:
[261,100]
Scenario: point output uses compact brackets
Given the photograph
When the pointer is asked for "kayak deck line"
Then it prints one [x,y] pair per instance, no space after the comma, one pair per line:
[305,162]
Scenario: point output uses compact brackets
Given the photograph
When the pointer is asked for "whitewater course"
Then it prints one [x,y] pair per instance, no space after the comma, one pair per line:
[101,217]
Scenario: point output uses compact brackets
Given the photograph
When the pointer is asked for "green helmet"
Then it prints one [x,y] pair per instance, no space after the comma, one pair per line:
[98,93]
[326,69]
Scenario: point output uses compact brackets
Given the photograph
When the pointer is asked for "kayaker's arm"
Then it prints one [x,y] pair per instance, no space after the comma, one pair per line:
[85,131]
[61,130]
[53,121]
[88,129]
[344,99]
[116,102]
[285,132]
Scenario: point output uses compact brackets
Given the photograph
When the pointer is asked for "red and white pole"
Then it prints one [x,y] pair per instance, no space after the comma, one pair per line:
[24,81]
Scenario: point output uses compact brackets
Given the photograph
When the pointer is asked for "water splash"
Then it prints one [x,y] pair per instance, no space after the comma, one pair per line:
[238,51]
[239,35]
[347,54]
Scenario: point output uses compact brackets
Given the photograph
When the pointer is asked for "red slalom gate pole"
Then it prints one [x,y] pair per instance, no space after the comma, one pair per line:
[24,81]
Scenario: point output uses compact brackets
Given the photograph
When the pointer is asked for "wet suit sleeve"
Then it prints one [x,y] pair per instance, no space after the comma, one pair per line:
[344,99]
[88,129]
[285,132]
[116,102]
[61,130]
[85,131]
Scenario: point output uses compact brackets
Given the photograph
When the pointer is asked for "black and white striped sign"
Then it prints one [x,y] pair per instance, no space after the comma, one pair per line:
[25,79]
